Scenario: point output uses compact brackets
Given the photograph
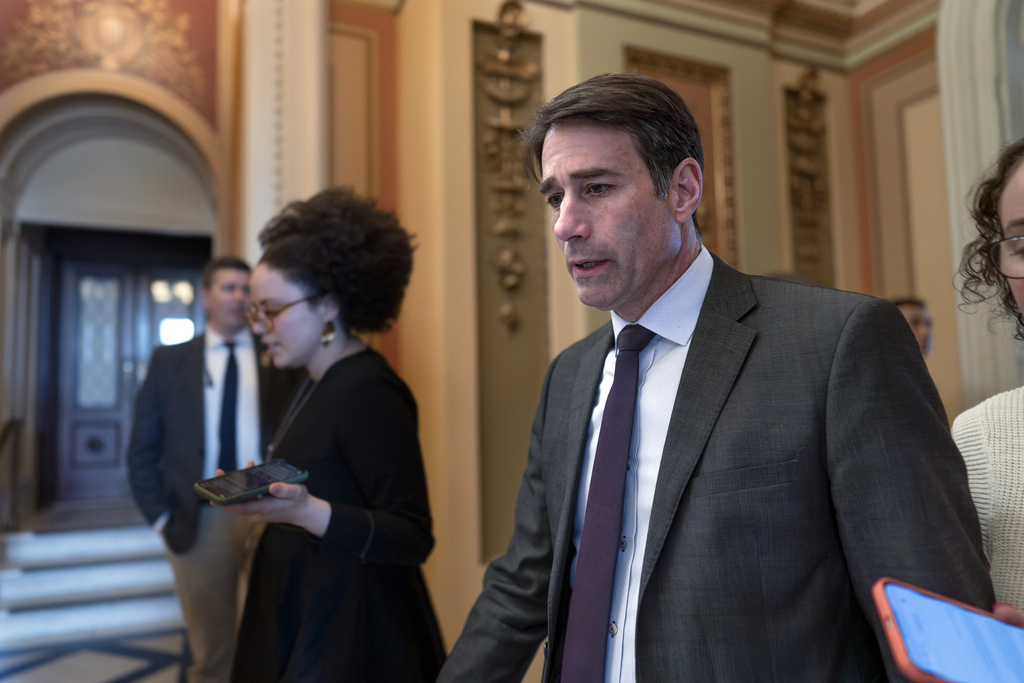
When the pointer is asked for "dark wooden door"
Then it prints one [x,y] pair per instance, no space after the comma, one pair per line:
[112,302]
[112,316]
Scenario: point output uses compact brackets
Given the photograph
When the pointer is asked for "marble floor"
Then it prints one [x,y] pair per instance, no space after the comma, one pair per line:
[155,657]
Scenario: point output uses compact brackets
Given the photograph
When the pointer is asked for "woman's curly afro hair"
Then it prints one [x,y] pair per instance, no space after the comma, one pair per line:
[339,244]
[981,278]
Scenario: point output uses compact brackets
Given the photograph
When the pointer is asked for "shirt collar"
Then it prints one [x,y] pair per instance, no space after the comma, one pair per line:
[243,340]
[674,315]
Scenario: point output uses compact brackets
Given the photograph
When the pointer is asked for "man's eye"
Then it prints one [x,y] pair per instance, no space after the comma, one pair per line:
[554,201]
[598,189]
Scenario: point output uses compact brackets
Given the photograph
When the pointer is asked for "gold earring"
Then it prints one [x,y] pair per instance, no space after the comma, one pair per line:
[329,333]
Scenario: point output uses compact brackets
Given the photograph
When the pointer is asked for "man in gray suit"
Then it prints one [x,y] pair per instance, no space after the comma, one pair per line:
[176,441]
[788,447]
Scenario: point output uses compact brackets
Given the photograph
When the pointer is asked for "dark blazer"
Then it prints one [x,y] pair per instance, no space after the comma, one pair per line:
[167,447]
[808,454]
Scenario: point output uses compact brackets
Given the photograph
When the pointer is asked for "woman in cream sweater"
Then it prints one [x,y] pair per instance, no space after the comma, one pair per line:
[991,435]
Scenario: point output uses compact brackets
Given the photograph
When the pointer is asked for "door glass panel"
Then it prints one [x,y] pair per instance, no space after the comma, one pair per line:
[172,310]
[99,301]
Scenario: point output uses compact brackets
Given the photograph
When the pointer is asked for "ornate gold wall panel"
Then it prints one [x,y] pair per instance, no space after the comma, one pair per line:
[808,181]
[511,234]
[169,42]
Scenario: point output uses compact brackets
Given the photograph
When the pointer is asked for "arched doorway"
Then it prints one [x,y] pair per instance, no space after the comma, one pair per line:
[112,212]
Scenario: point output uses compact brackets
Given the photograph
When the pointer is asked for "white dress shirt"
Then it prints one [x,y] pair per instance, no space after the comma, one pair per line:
[672,318]
[248,417]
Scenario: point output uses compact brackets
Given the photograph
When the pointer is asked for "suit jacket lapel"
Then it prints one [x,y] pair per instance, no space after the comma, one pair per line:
[196,375]
[719,348]
[584,393]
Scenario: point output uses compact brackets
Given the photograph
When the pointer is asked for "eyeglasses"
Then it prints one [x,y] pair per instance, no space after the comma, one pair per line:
[1008,257]
[265,316]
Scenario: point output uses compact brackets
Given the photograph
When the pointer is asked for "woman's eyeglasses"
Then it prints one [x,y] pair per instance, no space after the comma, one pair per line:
[265,316]
[1008,257]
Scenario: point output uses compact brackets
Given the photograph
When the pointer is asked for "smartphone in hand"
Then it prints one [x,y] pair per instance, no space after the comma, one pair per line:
[936,639]
[239,485]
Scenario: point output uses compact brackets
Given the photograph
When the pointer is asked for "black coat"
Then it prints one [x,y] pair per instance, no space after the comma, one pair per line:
[353,605]
[167,447]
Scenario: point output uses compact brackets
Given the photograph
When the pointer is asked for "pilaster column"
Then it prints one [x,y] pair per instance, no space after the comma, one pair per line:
[973,88]
[284,66]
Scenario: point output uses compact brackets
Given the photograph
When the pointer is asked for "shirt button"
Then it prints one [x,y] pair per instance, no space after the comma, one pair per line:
[622,542]
[613,629]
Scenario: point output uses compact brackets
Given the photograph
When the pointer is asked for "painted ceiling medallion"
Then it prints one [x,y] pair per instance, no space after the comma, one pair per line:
[139,37]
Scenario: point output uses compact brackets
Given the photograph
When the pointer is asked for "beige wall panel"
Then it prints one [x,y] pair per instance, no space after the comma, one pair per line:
[352,115]
[885,99]
[931,253]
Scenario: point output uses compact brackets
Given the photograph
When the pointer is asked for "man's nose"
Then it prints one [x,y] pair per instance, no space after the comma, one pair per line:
[572,220]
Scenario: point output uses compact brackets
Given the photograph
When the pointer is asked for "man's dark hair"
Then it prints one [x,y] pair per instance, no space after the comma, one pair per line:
[222,263]
[663,129]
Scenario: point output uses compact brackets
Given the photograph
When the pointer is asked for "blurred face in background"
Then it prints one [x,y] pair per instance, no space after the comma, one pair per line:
[226,301]
[920,321]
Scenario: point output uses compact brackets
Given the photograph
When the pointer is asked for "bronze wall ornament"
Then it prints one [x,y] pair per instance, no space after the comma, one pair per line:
[512,238]
[509,83]
[808,181]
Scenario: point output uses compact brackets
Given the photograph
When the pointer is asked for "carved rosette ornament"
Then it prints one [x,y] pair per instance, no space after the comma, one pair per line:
[140,37]
[507,82]
[808,181]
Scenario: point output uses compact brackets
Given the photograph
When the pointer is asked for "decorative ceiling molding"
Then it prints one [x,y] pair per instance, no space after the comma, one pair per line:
[834,33]
[386,5]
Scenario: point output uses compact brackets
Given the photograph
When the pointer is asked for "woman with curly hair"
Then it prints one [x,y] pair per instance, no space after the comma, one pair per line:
[336,592]
[991,435]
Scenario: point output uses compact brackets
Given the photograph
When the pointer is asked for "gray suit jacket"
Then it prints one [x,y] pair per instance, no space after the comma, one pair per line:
[808,454]
[167,447]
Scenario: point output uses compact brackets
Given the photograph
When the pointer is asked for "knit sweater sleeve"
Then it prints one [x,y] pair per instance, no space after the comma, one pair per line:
[991,438]
[969,434]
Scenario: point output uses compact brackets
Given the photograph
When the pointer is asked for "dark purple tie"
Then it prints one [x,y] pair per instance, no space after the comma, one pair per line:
[586,634]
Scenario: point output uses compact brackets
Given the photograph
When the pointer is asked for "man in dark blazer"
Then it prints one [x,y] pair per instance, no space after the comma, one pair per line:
[172,446]
[788,446]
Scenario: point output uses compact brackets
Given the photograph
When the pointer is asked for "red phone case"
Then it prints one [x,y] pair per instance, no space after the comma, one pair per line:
[892,631]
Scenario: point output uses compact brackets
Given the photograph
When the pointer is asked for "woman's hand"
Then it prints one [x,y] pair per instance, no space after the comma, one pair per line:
[1007,613]
[286,504]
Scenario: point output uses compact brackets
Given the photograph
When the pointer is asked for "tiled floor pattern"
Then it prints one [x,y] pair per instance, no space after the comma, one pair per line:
[142,658]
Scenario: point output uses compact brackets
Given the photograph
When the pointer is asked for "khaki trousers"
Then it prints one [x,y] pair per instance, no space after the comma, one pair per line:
[210,579]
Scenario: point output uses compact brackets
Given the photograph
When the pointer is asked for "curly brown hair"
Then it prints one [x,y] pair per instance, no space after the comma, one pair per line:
[339,244]
[981,278]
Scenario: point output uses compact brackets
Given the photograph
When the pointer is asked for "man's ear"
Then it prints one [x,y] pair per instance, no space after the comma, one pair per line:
[685,188]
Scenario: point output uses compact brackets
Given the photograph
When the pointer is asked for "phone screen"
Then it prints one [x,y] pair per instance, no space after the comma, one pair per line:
[240,481]
[949,641]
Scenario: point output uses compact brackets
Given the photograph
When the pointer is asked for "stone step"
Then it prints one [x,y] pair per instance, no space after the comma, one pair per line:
[22,589]
[31,550]
[37,627]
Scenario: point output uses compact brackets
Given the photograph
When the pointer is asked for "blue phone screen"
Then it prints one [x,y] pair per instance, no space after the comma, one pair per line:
[955,643]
